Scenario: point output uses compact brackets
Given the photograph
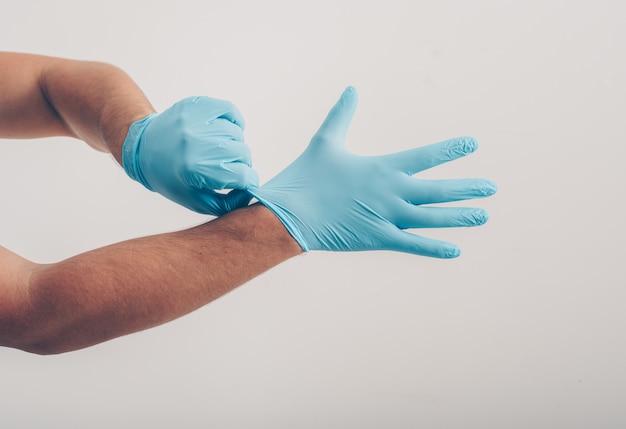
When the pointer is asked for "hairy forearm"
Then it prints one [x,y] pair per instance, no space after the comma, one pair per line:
[46,96]
[141,283]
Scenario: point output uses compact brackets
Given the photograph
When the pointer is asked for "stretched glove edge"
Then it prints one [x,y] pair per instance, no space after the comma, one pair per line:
[284,216]
[130,149]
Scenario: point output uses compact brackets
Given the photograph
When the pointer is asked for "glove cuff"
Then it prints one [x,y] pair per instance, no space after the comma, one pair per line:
[285,216]
[130,149]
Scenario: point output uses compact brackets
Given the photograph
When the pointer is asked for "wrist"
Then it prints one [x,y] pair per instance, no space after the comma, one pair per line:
[131,147]
[261,229]
[283,216]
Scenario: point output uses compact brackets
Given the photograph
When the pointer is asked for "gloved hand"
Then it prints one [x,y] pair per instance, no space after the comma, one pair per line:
[331,199]
[191,150]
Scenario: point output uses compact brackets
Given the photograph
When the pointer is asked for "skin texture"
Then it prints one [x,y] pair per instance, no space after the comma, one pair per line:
[129,286]
[136,284]
[45,96]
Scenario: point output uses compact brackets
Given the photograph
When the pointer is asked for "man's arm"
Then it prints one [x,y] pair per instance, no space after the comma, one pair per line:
[134,285]
[327,199]
[44,96]
[141,283]
[186,153]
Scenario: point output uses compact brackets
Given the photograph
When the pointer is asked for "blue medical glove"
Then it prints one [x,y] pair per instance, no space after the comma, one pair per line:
[331,199]
[189,152]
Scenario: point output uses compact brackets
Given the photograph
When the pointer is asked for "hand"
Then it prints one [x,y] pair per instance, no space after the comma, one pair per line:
[331,199]
[190,151]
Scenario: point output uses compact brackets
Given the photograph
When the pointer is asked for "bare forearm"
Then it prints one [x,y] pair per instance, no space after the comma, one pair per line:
[45,96]
[138,284]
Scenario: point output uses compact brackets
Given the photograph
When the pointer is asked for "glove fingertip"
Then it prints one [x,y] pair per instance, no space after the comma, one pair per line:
[452,252]
[467,144]
[233,114]
[418,245]
[244,176]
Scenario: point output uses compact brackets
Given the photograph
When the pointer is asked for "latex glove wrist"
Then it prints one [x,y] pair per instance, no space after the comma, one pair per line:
[131,147]
[191,152]
[331,199]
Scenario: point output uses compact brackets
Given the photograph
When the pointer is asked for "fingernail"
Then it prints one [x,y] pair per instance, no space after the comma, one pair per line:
[349,93]
[480,216]
[468,144]
[486,188]
[453,252]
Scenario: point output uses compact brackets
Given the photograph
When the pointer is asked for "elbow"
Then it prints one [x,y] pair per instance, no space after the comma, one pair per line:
[47,350]
[31,316]
[33,341]
[32,324]
[36,339]
[24,331]
[25,343]
[43,348]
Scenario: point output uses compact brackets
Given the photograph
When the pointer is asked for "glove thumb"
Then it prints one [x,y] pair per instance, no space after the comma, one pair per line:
[235,199]
[335,126]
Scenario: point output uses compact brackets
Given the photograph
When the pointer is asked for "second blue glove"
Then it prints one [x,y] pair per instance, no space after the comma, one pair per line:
[332,199]
[189,152]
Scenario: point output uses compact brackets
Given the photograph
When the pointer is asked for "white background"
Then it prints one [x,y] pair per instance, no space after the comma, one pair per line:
[525,329]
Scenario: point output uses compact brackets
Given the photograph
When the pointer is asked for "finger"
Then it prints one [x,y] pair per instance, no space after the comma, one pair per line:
[218,128]
[218,165]
[208,202]
[225,175]
[208,109]
[401,241]
[236,199]
[425,157]
[335,126]
[443,191]
[242,176]
[232,114]
[409,216]
[216,204]
[235,151]
[205,155]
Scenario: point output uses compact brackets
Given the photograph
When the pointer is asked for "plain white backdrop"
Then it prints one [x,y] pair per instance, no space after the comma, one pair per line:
[524,330]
